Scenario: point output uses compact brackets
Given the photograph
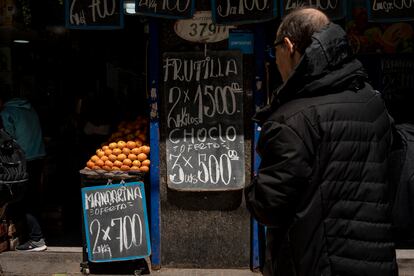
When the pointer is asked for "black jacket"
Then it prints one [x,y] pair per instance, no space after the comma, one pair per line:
[321,188]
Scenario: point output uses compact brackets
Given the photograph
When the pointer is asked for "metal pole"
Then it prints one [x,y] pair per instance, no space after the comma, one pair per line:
[259,101]
[153,80]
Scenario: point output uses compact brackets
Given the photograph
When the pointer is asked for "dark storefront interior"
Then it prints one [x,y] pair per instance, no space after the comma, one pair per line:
[72,77]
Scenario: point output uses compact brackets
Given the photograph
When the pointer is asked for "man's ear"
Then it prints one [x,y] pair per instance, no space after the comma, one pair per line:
[290,46]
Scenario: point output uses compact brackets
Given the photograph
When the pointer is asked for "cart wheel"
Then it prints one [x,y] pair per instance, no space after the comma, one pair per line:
[85,271]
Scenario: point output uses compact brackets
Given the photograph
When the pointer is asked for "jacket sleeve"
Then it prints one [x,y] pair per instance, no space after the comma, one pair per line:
[285,168]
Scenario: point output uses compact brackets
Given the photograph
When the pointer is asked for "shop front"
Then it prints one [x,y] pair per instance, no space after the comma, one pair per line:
[163,92]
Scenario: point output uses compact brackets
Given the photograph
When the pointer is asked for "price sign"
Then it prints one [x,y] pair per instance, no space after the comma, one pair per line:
[390,10]
[201,29]
[204,109]
[94,14]
[334,9]
[243,11]
[116,223]
[165,8]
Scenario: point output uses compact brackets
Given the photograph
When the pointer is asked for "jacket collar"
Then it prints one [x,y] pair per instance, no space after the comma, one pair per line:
[327,66]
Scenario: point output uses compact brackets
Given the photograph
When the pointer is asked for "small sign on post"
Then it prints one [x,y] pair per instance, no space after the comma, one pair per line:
[116,222]
[94,14]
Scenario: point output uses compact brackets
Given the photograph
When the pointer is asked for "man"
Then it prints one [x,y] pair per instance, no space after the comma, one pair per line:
[20,120]
[321,188]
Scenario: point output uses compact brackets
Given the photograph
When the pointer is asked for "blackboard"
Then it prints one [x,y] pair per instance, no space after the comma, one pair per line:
[165,8]
[390,10]
[94,14]
[334,9]
[203,99]
[116,222]
[243,11]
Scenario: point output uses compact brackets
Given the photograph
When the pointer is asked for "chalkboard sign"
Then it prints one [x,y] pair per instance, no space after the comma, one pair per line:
[390,10]
[116,223]
[203,97]
[94,14]
[334,9]
[165,8]
[243,11]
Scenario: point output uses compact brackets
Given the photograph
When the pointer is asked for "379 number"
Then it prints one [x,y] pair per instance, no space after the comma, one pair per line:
[205,29]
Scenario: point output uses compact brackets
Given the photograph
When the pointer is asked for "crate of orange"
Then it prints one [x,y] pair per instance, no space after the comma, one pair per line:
[118,160]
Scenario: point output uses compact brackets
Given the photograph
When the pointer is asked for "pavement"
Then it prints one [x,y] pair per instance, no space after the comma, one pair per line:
[57,261]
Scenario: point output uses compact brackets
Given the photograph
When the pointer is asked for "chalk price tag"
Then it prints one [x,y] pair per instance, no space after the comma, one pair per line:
[116,222]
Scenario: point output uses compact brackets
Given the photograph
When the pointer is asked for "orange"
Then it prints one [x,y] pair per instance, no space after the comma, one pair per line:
[127,162]
[121,144]
[108,163]
[134,168]
[136,163]
[112,157]
[99,163]
[104,148]
[131,144]
[146,163]
[144,169]
[106,168]
[145,149]
[104,158]
[108,152]
[96,168]
[132,156]
[113,145]
[126,150]
[117,163]
[138,142]
[116,151]
[124,168]
[142,156]
[90,164]
[95,158]
[100,153]
[121,157]
[136,151]
[115,168]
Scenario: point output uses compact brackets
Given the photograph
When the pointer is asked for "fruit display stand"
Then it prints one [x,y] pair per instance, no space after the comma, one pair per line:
[99,177]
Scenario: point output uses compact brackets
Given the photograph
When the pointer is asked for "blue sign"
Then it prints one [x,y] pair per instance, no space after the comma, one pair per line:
[242,41]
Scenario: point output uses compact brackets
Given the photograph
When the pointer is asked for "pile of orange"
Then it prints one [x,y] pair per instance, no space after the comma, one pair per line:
[131,131]
[124,156]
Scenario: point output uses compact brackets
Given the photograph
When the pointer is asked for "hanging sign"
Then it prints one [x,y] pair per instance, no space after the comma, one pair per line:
[94,14]
[201,29]
[204,120]
[334,9]
[165,8]
[390,10]
[243,11]
[116,222]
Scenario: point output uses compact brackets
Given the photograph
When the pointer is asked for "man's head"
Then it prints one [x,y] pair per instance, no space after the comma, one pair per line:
[295,35]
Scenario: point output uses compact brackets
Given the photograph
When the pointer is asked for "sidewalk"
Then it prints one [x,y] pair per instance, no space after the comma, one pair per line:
[58,261]
[65,261]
